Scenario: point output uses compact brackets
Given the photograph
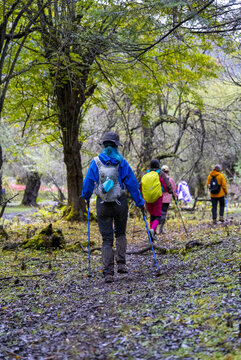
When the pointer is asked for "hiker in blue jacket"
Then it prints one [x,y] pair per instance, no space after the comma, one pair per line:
[109,176]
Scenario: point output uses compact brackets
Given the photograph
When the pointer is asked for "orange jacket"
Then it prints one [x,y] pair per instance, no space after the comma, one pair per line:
[221,181]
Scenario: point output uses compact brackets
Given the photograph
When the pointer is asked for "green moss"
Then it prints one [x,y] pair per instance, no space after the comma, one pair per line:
[76,247]
[46,239]
[48,230]
[85,243]
[69,214]
[73,248]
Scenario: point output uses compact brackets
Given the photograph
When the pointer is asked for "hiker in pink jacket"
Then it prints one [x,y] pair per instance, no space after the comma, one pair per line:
[167,198]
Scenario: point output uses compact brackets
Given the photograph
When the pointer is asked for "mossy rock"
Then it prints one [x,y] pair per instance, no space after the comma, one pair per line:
[10,246]
[3,234]
[46,239]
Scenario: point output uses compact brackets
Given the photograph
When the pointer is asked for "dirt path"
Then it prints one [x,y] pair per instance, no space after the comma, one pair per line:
[193,311]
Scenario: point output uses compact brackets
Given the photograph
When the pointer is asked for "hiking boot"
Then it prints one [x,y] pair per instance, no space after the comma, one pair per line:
[214,221]
[153,235]
[161,230]
[109,278]
[221,219]
[122,269]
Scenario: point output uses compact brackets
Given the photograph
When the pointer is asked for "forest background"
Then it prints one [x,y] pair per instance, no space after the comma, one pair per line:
[165,76]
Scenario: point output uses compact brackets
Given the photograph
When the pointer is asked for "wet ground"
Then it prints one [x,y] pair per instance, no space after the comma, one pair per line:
[192,311]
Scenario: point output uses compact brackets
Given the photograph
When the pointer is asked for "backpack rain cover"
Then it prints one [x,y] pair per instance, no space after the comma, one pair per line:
[151,187]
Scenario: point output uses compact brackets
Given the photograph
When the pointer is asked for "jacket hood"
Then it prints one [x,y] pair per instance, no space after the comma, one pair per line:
[214,173]
[106,159]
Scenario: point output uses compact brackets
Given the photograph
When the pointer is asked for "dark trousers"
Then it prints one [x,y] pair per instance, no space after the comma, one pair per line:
[215,202]
[112,220]
[165,207]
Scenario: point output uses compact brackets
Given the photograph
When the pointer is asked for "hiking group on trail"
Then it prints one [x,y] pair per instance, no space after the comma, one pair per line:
[110,176]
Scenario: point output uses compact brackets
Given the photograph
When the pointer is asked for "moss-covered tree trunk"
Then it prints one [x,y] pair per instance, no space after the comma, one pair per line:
[147,138]
[70,98]
[69,120]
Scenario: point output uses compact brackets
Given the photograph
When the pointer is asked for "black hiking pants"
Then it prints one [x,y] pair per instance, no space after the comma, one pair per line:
[165,207]
[215,202]
[112,220]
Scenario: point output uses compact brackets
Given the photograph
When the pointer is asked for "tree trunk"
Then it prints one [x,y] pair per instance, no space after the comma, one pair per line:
[200,186]
[147,142]
[32,189]
[1,163]
[69,103]
[73,164]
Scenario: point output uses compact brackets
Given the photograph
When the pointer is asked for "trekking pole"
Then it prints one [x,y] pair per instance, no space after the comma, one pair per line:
[133,230]
[226,201]
[178,209]
[88,213]
[177,217]
[149,236]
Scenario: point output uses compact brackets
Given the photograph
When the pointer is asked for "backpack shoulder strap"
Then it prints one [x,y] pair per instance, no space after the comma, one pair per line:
[167,182]
[97,161]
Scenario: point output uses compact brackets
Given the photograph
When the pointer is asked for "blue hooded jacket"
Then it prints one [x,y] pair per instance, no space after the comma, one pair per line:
[126,177]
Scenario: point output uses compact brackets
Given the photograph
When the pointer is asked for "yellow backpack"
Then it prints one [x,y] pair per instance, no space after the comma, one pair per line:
[151,187]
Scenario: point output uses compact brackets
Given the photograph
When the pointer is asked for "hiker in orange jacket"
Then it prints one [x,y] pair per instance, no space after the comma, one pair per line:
[218,191]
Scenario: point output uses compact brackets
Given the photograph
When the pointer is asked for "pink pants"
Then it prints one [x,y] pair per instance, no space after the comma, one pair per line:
[155,210]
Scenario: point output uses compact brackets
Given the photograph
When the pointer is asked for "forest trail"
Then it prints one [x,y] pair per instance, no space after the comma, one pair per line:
[191,312]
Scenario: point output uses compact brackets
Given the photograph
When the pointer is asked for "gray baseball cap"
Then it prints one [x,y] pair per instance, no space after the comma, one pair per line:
[111,136]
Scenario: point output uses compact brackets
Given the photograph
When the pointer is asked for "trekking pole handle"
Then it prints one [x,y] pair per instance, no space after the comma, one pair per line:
[142,210]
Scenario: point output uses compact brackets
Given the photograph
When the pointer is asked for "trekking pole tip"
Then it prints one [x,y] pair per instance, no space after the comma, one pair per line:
[158,273]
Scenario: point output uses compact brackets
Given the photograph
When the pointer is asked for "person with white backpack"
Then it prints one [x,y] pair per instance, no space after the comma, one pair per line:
[110,176]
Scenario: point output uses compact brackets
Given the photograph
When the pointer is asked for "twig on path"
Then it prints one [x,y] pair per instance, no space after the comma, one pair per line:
[29,276]
[190,246]
[8,351]
[147,248]
[91,250]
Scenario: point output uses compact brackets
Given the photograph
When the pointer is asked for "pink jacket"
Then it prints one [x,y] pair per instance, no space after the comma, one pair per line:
[167,198]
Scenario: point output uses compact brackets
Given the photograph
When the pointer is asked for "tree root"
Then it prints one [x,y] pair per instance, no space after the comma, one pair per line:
[190,246]
[147,248]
